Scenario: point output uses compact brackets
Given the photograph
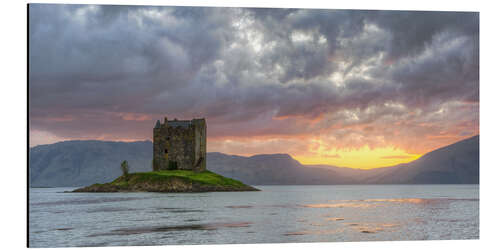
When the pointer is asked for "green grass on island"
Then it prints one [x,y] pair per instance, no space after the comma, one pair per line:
[205,177]
[170,181]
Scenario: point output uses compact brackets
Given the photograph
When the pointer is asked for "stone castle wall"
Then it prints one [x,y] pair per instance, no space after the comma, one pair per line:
[180,146]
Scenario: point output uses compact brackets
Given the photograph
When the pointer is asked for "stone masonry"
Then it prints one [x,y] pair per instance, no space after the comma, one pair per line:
[180,144]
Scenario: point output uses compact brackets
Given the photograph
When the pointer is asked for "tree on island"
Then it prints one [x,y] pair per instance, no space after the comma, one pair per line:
[124,167]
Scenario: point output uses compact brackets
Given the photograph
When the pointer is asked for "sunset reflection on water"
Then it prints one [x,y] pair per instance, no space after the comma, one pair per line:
[277,214]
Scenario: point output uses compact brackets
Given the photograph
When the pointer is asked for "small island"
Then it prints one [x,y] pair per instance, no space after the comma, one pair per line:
[173,181]
[179,164]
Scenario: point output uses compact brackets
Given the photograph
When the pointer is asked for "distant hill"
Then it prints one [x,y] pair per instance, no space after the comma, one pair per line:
[274,169]
[80,163]
[456,163]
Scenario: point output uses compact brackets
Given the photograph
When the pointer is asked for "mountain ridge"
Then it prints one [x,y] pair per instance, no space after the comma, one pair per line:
[83,162]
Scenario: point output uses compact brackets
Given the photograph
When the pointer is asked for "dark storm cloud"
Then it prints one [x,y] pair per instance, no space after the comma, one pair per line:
[91,52]
[412,31]
[110,71]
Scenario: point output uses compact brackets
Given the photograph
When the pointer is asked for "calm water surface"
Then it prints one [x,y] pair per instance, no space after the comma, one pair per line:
[276,214]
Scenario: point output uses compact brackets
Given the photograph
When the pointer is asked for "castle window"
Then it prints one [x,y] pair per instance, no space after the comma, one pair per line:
[168,138]
[166,151]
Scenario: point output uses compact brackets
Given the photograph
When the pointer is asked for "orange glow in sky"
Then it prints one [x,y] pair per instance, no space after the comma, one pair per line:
[322,151]
[364,158]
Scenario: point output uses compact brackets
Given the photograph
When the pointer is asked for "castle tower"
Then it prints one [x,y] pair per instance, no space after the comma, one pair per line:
[180,144]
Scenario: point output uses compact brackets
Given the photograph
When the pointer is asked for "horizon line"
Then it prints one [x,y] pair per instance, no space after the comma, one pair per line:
[248,156]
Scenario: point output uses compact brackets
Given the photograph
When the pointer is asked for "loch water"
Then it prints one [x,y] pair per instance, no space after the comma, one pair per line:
[277,214]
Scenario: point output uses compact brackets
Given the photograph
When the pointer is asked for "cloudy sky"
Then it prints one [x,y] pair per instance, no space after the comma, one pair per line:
[347,88]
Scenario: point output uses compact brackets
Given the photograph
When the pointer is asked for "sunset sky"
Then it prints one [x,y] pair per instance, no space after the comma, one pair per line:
[358,89]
